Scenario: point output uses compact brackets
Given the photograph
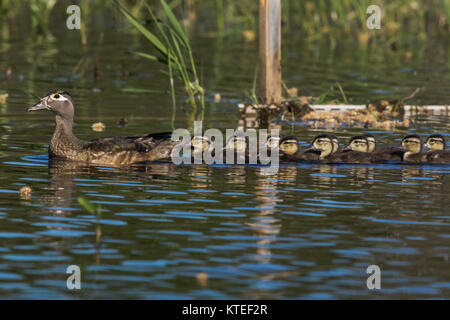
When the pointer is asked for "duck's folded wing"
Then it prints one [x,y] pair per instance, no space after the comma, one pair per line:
[144,143]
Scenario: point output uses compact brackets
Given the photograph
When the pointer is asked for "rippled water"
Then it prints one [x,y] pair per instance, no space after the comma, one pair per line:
[201,231]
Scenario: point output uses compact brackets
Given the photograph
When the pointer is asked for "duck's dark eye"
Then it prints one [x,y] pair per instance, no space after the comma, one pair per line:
[56,96]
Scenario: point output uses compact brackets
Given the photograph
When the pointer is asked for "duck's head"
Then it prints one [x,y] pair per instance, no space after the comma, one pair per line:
[325,144]
[435,142]
[273,142]
[238,143]
[335,142]
[371,141]
[358,143]
[59,102]
[412,144]
[200,144]
[289,145]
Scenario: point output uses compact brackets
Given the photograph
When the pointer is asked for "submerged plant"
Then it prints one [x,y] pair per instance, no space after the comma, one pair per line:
[90,207]
[174,51]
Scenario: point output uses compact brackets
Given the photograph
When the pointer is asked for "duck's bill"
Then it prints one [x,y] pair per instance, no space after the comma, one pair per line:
[347,148]
[38,106]
[310,149]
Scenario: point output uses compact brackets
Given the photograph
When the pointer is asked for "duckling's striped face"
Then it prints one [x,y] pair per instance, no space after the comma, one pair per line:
[372,143]
[273,142]
[435,143]
[412,144]
[240,144]
[324,145]
[289,146]
[359,144]
[335,144]
[200,144]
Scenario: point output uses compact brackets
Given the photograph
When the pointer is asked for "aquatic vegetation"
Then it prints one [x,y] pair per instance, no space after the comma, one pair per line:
[92,208]
[174,51]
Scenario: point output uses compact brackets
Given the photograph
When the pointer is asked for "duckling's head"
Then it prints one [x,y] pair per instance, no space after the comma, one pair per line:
[412,144]
[273,142]
[358,143]
[238,143]
[371,141]
[335,141]
[289,145]
[200,144]
[323,143]
[435,142]
[59,102]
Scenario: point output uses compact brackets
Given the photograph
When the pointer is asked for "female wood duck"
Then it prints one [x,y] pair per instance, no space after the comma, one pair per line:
[116,151]
[383,153]
[290,151]
[437,152]
[412,149]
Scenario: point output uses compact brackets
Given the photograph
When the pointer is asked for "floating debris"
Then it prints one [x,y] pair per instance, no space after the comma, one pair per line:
[122,122]
[248,35]
[25,192]
[8,72]
[3,97]
[217,97]
[98,126]
[292,92]
[202,279]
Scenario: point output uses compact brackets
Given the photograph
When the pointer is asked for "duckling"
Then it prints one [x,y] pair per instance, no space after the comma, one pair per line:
[383,153]
[327,148]
[437,152]
[290,151]
[199,145]
[335,143]
[357,151]
[412,149]
[116,151]
[238,145]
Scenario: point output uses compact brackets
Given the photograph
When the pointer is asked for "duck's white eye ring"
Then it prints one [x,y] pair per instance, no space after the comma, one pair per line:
[59,97]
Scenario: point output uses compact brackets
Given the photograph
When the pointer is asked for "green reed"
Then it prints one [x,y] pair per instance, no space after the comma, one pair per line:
[173,50]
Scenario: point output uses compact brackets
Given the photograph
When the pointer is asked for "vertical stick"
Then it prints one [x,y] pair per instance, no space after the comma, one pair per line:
[270,51]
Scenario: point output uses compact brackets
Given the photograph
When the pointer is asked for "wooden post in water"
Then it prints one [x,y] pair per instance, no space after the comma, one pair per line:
[270,51]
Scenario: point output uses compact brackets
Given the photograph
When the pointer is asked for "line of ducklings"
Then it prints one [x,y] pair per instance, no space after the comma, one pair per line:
[360,149]
[363,149]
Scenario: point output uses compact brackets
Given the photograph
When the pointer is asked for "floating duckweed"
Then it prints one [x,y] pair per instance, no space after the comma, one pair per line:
[98,126]
[25,192]
[3,97]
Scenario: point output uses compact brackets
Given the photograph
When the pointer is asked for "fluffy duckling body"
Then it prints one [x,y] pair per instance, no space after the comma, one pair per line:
[116,151]
[324,144]
[437,153]
[357,151]
[328,146]
[291,152]
[383,153]
[412,148]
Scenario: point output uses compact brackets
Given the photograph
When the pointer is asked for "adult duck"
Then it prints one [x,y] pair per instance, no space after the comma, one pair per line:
[116,151]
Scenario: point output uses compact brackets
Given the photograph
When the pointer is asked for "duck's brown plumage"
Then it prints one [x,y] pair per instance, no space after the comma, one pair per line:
[115,151]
